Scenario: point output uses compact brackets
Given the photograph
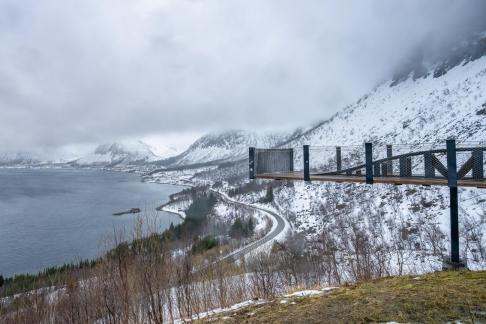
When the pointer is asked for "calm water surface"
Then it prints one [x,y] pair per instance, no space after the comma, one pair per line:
[52,216]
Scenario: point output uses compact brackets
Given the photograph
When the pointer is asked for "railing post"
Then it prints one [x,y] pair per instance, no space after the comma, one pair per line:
[451,163]
[251,162]
[454,208]
[409,166]
[338,158]
[306,163]
[428,166]
[384,169]
[478,158]
[369,162]
[403,167]
[376,170]
[291,167]
[389,154]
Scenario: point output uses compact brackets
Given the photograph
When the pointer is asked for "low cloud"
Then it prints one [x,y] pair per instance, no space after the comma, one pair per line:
[74,72]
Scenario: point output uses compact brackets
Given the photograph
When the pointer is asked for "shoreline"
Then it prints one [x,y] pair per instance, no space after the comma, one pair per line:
[164,208]
[181,215]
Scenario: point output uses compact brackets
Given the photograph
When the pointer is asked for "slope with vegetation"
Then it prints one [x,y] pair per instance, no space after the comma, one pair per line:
[432,298]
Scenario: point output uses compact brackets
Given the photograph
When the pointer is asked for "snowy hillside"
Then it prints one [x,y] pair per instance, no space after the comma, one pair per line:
[126,153]
[427,109]
[227,146]
[446,100]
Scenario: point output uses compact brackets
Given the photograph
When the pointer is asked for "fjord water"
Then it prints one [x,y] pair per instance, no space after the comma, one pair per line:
[52,216]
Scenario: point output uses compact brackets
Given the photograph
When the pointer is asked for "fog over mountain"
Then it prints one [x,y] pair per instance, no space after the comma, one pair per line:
[77,74]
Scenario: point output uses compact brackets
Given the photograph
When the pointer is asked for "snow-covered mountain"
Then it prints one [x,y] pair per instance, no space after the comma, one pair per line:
[123,153]
[448,100]
[227,146]
[19,158]
[34,158]
[425,102]
[115,154]
[165,151]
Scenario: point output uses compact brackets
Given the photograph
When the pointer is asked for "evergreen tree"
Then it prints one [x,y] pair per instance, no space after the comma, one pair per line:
[241,228]
[251,226]
[236,229]
[204,244]
[269,195]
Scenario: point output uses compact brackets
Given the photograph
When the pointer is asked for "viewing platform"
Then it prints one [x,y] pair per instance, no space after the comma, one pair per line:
[453,165]
[411,164]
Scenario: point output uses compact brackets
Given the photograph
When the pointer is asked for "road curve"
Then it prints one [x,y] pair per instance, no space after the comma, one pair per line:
[276,230]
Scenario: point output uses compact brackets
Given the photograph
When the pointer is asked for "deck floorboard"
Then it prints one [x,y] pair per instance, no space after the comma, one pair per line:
[395,180]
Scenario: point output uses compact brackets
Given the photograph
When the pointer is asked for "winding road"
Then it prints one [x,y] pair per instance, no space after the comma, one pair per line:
[279,225]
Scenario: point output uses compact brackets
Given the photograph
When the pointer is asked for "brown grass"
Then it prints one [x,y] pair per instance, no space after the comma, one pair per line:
[432,298]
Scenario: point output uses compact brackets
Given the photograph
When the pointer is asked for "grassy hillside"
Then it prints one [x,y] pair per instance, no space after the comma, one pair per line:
[432,298]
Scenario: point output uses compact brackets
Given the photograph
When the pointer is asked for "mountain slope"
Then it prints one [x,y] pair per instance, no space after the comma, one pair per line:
[227,146]
[423,103]
[390,300]
[427,109]
[114,154]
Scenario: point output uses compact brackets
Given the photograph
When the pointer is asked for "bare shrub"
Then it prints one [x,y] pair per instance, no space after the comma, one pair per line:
[263,276]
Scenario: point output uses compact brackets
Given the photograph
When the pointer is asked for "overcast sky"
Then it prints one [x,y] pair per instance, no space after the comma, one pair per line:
[92,71]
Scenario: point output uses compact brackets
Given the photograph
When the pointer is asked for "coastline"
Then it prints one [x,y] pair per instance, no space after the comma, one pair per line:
[181,215]
[166,207]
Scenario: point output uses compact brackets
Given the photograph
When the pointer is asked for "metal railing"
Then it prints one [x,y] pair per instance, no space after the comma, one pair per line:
[370,161]
[452,162]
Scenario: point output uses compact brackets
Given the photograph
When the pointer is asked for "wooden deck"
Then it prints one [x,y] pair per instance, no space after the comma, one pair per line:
[395,180]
